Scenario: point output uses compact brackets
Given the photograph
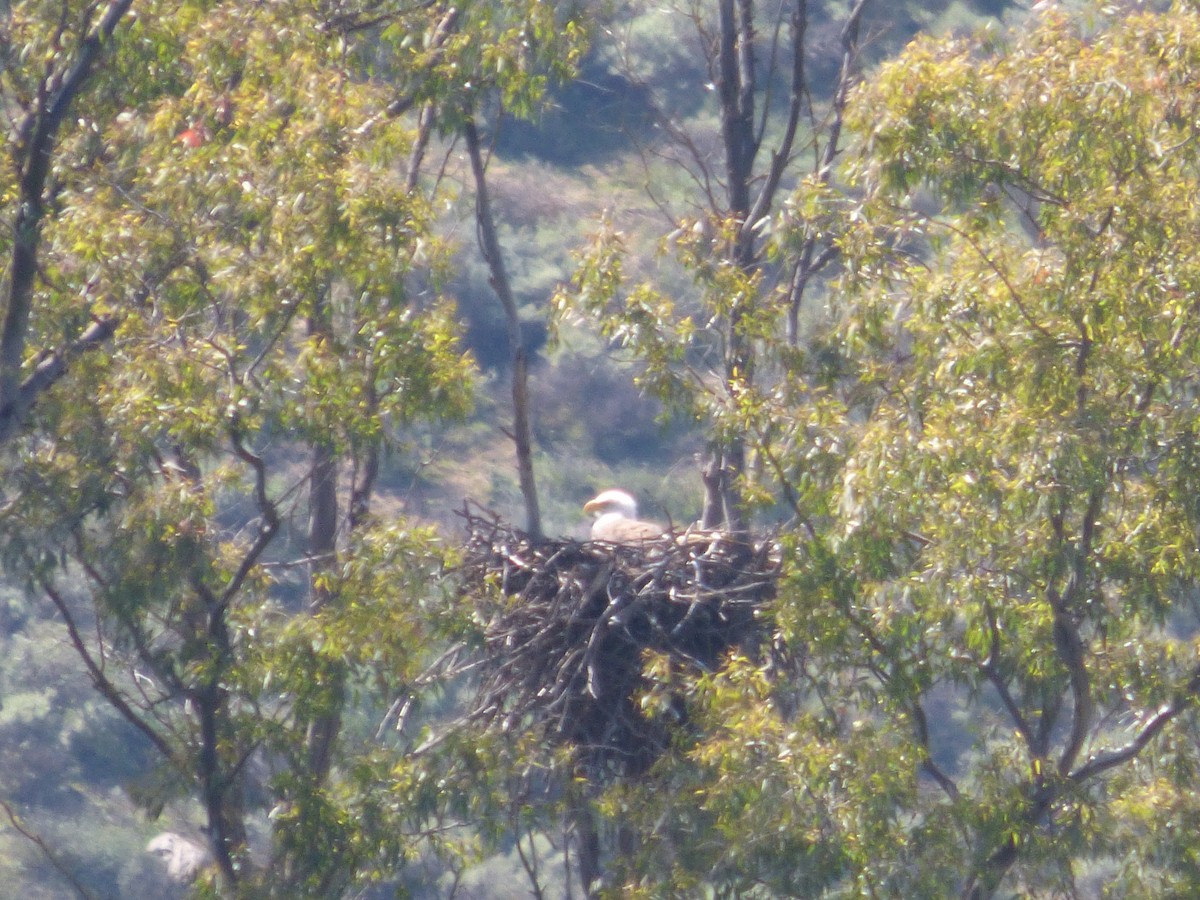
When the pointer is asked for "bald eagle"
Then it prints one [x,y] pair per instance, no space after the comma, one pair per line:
[617,521]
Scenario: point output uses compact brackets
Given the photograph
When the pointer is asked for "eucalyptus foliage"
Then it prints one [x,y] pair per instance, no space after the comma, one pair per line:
[237,196]
[988,456]
[222,309]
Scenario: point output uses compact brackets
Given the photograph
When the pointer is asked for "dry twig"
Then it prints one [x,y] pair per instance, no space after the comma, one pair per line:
[567,625]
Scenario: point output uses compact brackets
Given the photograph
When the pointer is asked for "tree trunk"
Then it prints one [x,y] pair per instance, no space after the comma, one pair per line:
[751,194]
[219,781]
[735,77]
[489,245]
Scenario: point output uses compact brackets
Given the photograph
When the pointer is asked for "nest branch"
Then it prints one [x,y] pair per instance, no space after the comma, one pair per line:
[567,624]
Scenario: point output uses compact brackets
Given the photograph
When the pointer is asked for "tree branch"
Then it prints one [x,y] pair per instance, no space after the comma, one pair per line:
[1101,762]
[928,766]
[49,370]
[807,266]
[38,134]
[1068,641]
[992,673]
[266,508]
[51,857]
[489,246]
[782,154]
[100,680]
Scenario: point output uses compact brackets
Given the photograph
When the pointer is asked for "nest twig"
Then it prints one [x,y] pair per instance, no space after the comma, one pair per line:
[565,634]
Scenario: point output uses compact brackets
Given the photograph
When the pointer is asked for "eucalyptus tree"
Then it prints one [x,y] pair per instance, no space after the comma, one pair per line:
[773,127]
[706,351]
[241,220]
[985,670]
[549,37]
[1035,387]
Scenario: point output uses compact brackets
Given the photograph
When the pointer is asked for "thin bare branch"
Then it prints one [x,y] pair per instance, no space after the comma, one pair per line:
[489,246]
[1101,762]
[1069,641]
[781,155]
[100,680]
[267,511]
[44,848]
[928,766]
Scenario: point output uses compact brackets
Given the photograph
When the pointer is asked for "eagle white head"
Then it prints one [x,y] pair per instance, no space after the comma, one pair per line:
[616,519]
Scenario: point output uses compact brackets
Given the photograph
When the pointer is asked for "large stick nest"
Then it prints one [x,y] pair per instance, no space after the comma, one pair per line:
[566,632]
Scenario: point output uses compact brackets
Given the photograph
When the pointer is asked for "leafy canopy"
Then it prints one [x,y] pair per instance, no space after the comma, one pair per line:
[990,455]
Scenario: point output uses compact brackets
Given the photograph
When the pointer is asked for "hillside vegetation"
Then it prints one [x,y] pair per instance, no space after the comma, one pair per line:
[321,322]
